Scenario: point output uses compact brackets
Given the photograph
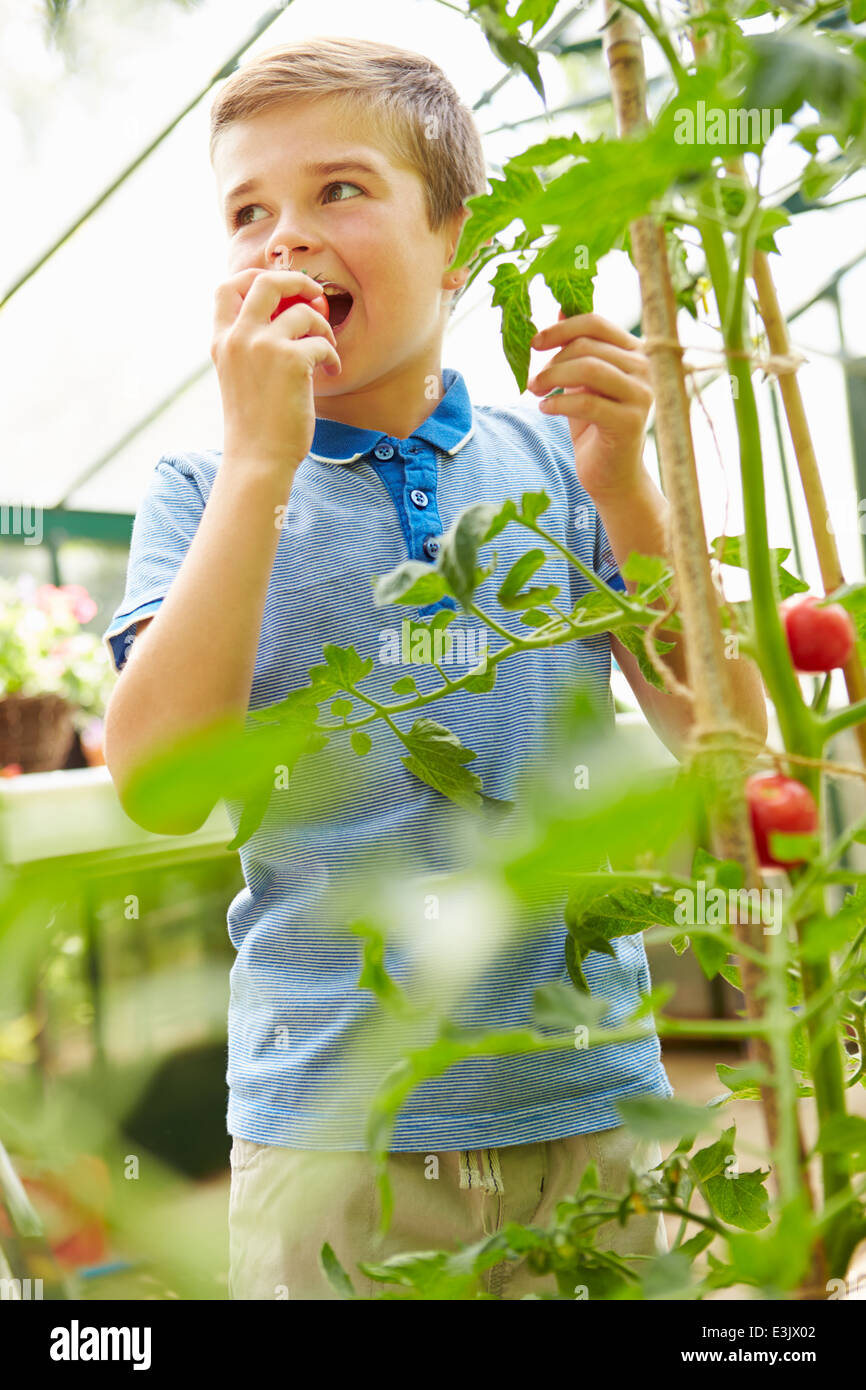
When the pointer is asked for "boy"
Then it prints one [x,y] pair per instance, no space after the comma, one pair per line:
[366,449]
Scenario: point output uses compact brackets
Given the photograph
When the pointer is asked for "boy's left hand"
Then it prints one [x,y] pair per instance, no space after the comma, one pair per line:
[607,398]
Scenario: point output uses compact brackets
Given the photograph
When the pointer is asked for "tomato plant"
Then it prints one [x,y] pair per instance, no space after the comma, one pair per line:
[662,199]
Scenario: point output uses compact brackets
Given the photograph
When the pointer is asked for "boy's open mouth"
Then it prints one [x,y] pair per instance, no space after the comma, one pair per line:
[339,303]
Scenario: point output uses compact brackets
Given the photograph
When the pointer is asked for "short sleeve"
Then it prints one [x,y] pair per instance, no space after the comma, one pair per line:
[604,562]
[164,526]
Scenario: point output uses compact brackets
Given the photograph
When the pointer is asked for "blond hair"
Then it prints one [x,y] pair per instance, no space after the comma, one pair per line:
[417,112]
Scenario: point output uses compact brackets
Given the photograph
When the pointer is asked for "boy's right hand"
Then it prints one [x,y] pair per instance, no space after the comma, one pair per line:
[265,368]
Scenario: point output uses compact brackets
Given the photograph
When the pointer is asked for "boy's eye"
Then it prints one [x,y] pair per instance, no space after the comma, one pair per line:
[341,184]
[239,220]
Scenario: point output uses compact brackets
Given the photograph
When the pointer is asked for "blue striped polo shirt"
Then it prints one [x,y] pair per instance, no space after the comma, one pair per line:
[307,1048]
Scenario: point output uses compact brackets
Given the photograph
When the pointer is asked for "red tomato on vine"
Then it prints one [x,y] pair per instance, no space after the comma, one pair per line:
[782,804]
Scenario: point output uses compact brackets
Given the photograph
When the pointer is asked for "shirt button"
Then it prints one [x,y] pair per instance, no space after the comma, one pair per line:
[419,498]
[431,547]
[384,451]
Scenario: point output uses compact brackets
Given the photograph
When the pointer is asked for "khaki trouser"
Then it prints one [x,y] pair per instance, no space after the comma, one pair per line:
[285,1203]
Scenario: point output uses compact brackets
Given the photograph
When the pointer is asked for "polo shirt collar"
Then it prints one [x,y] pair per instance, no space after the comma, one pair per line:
[447,428]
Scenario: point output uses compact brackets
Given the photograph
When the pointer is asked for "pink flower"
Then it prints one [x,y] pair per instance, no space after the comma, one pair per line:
[82,605]
[73,597]
[46,597]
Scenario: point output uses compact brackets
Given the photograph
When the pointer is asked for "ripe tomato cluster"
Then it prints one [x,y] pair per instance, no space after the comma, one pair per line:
[819,640]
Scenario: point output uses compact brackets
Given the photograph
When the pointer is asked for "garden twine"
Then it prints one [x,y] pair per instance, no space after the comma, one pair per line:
[776,364]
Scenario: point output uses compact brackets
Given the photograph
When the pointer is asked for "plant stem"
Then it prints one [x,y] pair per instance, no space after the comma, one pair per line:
[843,719]
[801,730]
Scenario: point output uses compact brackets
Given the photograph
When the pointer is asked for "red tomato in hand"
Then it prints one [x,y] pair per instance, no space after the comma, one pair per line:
[783,804]
[320,304]
[819,639]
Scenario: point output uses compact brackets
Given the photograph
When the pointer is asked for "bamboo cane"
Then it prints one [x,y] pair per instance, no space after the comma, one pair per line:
[813,488]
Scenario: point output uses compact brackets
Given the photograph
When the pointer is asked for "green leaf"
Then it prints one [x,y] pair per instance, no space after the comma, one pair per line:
[341,708]
[843,1134]
[742,1082]
[661,1117]
[492,212]
[335,1273]
[711,953]
[427,1273]
[614,182]
[594,605]
[346,665]
[739,1200]
[787,72]
[511,295]
[573,290]
[696,1245]
[507,45]
[778,1259]
[510,595]
[852,597]
[632,638]
[535,617]
[219,762]
[539,12]
[459,550]
[733,552]
[361,742]
[546,152]
[405,686]
[559,1007]
[507,512]
[594,916]
[427,641]
[374,976]
[533,505]
[771,221]
[253,813]
[646,569]
[823,936]
[438,758]
[685,281]
[715,872]
[731,973]
[412,582]
[481,684]
[793,847]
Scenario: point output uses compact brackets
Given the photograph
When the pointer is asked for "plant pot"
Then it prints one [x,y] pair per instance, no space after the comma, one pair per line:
[36,731]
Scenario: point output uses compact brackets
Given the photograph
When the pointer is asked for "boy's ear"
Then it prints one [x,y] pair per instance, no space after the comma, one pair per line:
[458,277]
